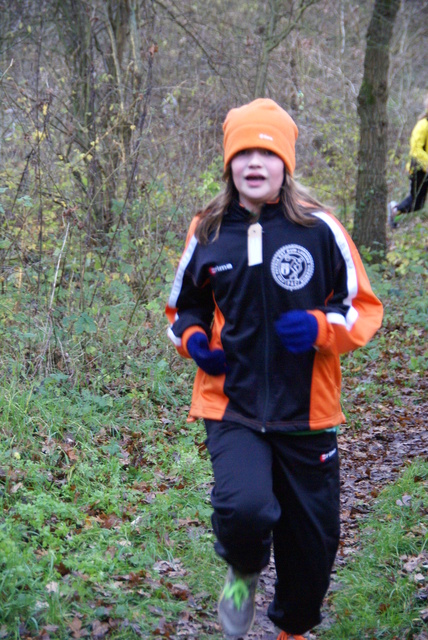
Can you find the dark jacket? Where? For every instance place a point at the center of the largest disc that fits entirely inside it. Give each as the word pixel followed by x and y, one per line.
pixel 315 268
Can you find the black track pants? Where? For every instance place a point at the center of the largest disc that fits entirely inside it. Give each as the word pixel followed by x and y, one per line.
pixel 418 193
pixel 282 486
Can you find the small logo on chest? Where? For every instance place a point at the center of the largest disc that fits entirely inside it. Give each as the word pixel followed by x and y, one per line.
pixel 220 268
pixel 292 267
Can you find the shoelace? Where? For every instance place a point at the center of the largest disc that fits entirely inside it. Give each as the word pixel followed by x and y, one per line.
pixel 237 590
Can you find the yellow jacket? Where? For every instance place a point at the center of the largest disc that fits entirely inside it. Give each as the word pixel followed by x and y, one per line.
pixel 419 143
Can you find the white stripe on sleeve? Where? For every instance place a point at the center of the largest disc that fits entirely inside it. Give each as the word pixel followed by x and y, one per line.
pixel 178 280
pixel 171 335
pixel 351 274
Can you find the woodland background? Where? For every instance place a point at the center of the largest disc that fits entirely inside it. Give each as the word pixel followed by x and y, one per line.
pixel 111 118
pixel 110 140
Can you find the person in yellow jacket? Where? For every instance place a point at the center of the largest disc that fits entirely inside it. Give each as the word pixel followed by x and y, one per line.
pixel 418 171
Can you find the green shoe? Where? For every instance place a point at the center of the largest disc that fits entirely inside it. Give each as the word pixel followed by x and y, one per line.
pixel 236 607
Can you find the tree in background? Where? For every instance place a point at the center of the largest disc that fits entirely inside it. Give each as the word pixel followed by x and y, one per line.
pixel 371 193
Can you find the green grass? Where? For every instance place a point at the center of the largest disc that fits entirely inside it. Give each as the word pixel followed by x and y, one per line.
pixel 90 515
pixel 383 590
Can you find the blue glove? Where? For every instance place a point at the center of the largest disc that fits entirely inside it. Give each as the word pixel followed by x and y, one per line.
pixel 212 362
pixel 297 330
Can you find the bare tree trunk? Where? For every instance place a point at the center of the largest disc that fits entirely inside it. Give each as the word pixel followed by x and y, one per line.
pixel 371 195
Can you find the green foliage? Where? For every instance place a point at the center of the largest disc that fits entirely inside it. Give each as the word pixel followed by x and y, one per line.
pixel 97 501
pixel 208 184
pixel 380 592
pixel 100 483
pixel 405 255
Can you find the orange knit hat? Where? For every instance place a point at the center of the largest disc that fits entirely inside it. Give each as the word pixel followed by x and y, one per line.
pixel 261 124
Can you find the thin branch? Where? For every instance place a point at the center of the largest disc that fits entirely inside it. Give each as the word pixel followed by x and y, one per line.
pixel 277 39
pixel 9 67
pixel 191 35
pixel 115 58
pixel 58 265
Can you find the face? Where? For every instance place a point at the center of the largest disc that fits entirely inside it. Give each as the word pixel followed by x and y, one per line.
pixel 258 175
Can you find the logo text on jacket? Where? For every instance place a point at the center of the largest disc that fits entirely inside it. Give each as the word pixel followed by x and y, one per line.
pixel 292 267
pixel 219 268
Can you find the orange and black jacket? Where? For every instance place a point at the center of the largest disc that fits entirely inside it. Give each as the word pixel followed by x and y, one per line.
pixel 315 268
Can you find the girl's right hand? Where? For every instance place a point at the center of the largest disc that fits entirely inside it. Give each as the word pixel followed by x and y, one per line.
pixel 213 361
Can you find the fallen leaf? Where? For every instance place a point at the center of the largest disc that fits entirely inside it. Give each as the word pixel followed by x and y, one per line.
pixel 405 501
pixel 180 591
pixel 76 628
pixel 62 569
pixel 52 587
pixel 100 629
pixel 164 629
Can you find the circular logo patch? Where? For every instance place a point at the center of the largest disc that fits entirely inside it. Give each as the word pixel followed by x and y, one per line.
pixel 292 267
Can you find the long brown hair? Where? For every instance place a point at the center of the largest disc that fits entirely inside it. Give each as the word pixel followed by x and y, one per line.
pixel 297 206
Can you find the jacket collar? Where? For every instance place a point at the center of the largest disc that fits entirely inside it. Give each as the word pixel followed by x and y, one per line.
pixel 237 212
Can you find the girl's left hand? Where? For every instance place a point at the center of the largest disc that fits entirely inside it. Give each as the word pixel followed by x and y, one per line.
pixel 297 330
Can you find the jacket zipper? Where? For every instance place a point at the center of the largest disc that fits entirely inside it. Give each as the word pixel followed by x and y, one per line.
pixel 266 351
